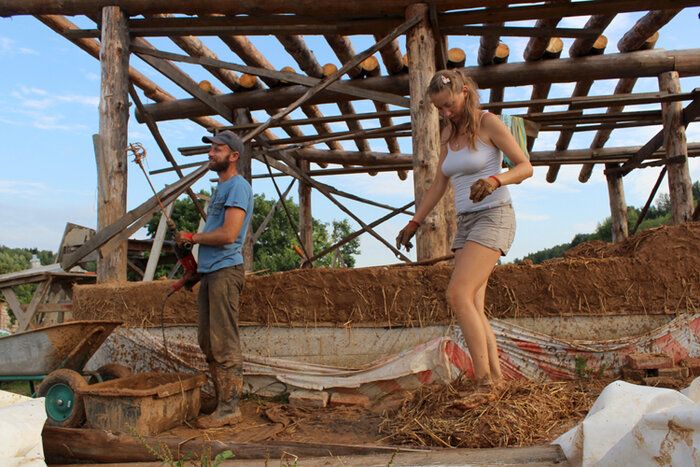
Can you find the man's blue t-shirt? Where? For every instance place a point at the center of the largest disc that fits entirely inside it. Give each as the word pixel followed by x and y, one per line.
pixel 234 192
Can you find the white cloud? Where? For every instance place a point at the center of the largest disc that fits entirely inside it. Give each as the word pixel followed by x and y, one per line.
pixel 13 187
pixel 8 47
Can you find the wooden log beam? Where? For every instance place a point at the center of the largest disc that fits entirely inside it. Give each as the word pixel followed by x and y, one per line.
pixel 111 154
pixel 227 7
pixel 391 56
pixel 347 109
pixel 581 48
pixel 456 58
pixel 297 48
pixel 344 50
pixel 608 66
pixel 642 36
pixel 541 90
pixel 536 46
pixel 432 237
pixel 487 47
pixel 496 94
pixel 680 186
pixel 62 25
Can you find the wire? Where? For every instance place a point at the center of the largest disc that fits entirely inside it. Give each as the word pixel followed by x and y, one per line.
pixel 162 321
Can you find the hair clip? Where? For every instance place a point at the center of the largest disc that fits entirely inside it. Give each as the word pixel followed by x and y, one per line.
pixel 444 79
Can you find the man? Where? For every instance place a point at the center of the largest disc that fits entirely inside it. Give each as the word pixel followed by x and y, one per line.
pixel 221 266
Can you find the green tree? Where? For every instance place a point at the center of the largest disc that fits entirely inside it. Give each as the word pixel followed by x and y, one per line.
pixel 274 249
pixel 657 215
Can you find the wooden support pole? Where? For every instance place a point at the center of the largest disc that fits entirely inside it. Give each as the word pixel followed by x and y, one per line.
pixel 679 184
pixel 618 207
pixel 306 230
pixel 113 139
pixel 432 239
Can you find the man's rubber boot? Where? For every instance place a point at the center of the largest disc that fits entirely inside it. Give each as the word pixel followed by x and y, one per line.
pixel 229 385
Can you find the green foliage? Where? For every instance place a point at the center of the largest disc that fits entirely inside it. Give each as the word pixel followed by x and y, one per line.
pixel 657 215
pixel 162 452
pixel 274 249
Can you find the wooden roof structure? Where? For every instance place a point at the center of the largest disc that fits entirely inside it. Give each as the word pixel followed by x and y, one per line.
pixel 248 82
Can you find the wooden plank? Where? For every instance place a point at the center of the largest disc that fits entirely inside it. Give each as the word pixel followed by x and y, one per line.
pixel 288 76
pixel 102 236
pixel 158 239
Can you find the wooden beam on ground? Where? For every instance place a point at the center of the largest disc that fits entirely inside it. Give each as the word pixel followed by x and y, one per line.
pixel 607 66
pixel 113 138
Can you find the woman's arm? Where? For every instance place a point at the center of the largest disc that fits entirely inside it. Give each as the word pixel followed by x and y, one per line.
pixel 498 134
pixel 436 190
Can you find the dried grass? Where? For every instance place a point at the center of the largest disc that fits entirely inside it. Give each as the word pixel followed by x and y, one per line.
pixel 523 413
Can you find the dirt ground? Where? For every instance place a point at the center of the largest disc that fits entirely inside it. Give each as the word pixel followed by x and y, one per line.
pixel 522 413
pixel 654 272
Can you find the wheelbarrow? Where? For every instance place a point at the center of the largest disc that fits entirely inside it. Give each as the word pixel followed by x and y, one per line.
pixel 56 356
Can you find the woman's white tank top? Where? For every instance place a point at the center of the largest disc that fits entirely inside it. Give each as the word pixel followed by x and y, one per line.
pixel 466 166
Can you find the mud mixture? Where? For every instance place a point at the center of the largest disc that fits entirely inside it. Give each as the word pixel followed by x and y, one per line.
pixel 654 272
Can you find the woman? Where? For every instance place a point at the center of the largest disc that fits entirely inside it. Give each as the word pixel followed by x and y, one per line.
pixel 471 154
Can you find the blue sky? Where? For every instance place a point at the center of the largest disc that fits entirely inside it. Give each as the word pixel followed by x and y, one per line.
pixel 49 92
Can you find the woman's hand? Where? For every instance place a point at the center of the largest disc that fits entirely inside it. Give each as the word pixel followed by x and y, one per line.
pixel 482 188
pixel 404 237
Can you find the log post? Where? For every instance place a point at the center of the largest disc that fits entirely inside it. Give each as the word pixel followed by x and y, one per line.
pixel 305 220
pixel 432 239
pixel 618 207
pixel 113 137
pixel 242 117
pixel 679 183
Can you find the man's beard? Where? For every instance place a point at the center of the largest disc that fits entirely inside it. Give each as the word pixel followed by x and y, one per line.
pixel 220 166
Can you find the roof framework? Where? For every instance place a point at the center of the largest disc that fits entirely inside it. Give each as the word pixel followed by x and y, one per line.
pixel 382 76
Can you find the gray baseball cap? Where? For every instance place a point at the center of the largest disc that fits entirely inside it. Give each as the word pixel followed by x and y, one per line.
pixel 228 138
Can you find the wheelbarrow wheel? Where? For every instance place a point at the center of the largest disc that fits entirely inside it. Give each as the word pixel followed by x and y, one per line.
pixel 110 372
pixel 64 404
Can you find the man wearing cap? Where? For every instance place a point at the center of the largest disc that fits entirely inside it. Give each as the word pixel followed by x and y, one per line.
pixel 221 266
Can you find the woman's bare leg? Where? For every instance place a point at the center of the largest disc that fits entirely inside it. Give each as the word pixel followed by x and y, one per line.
pixel 494 362
pixel 473 265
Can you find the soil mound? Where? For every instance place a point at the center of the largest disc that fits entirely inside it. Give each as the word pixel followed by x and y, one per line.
pixel 654 272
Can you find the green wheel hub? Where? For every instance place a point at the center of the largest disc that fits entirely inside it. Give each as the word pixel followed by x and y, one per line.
pixel 60 400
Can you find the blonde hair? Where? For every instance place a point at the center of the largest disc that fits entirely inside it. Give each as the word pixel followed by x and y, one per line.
pixel 454 81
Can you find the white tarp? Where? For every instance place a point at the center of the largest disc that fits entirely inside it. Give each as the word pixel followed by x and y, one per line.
pixel 637 425
pixel 21 421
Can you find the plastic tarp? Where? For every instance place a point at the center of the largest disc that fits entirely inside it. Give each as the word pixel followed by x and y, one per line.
pixel 523 353
pixel 637 425
pixel 21 422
